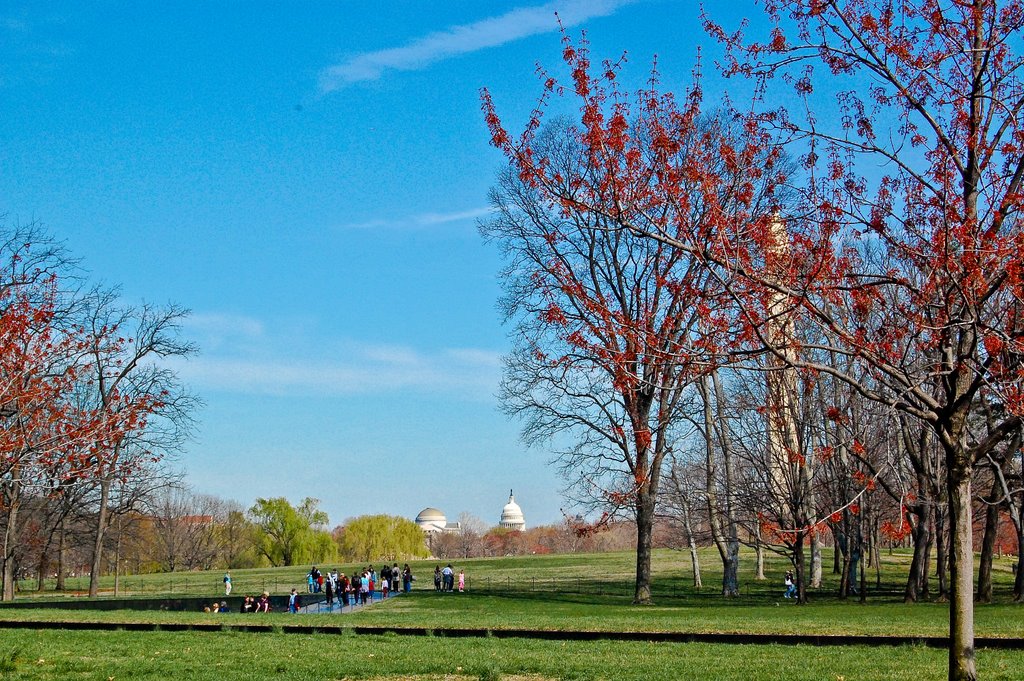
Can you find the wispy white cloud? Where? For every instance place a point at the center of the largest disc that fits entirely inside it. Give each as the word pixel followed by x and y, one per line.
pixel 224 324
pixel 263 359
pixel 427 219
pixel 491 32
pixel 422 373
pixel 215 332
pixel 441 218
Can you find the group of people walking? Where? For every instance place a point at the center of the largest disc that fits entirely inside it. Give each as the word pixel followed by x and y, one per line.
pixel 360 587
pixel 444 579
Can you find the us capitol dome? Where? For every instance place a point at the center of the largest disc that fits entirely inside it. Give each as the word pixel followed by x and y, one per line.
pixel 512 515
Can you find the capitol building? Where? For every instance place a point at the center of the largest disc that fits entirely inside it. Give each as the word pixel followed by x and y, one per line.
pixel 512 515
pixel 433 521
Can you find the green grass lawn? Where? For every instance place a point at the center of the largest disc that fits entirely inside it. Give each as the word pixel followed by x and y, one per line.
pixel 602 573
pixel 537 610
pixel 69 655
pixel 593 592
pixel 575 592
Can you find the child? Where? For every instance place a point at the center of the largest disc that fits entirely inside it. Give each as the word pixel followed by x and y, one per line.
pixel 293 602
pixel 462 581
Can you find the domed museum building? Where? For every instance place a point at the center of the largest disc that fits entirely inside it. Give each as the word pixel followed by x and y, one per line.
pixel 432 521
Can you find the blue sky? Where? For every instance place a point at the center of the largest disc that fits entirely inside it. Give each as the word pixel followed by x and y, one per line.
pixel 307 180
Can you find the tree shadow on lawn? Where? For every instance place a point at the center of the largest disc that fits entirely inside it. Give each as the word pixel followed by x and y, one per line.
pixel 594 595
pixel 667 593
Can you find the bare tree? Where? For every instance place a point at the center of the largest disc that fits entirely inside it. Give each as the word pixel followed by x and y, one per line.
pixel 131 379
pixel 185 528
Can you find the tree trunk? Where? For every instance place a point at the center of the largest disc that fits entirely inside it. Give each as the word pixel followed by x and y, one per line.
pixel 695 565
pixel 815 561
pixel 919 562
pixel 961 603
pixel 941 554
pixel 44 563
pixel 758 554
pixel 876 553
pixel 863 523
pixel 117 562
pixel 988 545
pixel 731 559
pixel 863 573
pixel 730 570
pixel 644 532
pixel 728 550
pixel 843 546
pixel 926 590
pixel 1018 579
pixel 61 547
pixel 101 526
pixel 10 535
pixel 801 569
pixel 684 506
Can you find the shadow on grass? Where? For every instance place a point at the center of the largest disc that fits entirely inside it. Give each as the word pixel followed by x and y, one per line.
pixel 664 592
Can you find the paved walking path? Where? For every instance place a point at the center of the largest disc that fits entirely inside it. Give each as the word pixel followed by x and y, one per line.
pixel 338 609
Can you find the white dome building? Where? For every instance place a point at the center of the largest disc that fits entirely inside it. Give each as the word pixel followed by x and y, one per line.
pixel 432 520
pixel 512 515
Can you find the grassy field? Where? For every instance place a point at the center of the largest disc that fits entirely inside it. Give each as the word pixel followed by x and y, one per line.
pixel 574 612
pixel 64 655
pixel 601 574
pixel 577 592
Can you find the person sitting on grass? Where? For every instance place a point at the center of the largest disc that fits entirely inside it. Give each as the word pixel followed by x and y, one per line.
pixel 263 604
